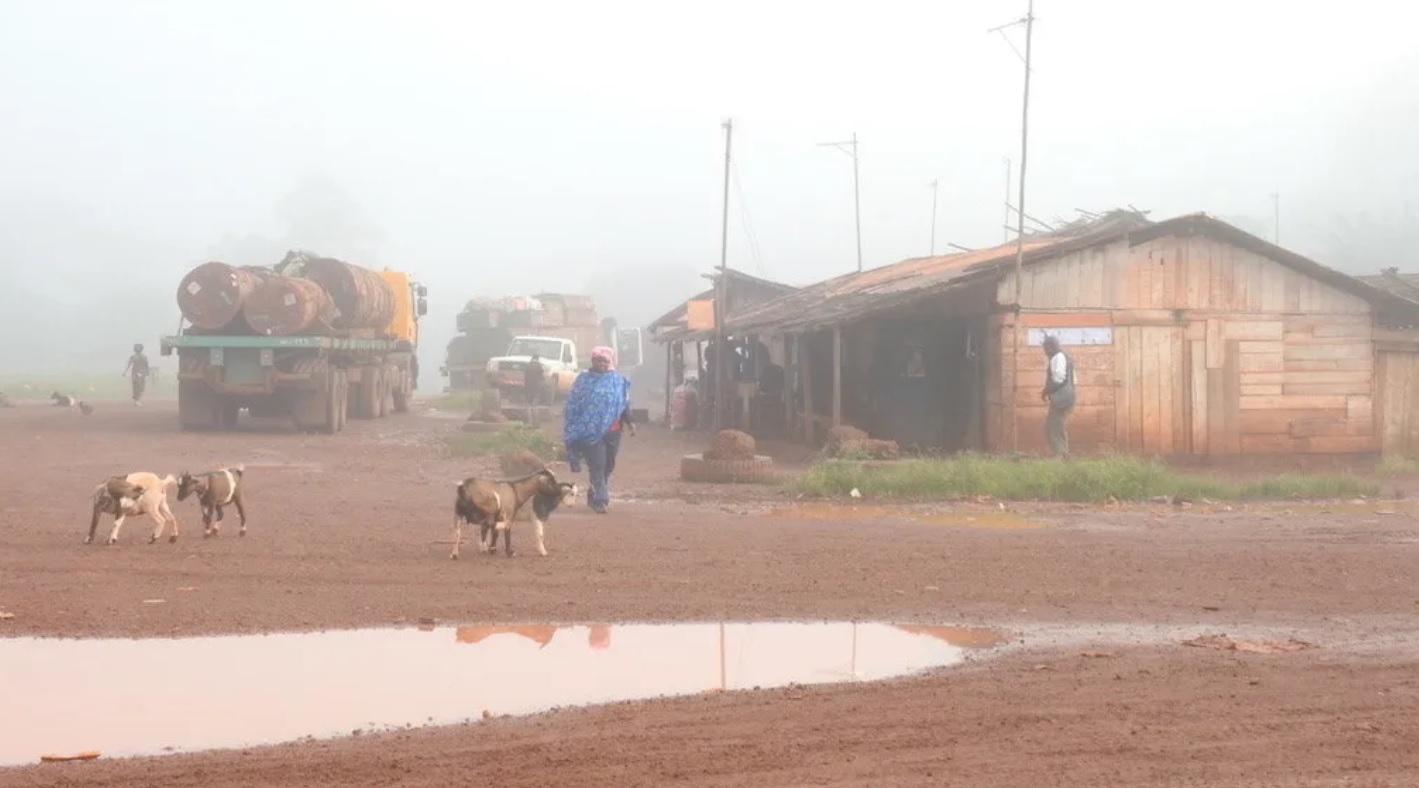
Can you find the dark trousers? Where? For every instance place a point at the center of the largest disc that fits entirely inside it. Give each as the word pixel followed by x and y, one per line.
pixel 600 463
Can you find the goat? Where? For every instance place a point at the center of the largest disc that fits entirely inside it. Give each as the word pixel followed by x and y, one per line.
pixel 214 490
pixel 492 504
pixel 133 494
pixel 68 401
pixel 543 504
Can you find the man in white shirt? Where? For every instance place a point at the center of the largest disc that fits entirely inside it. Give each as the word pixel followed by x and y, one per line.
pixel 1059 394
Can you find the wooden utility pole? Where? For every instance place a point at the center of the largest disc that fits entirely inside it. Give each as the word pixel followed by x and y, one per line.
pixel 1005 225
pixel 721 297
pixel 1029 23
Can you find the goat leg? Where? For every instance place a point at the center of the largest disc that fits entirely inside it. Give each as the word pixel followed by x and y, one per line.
pixel 117 524
pixel 167 514
pixel 241 512
pixel 93 524
pixel 507 538
pixel 457 535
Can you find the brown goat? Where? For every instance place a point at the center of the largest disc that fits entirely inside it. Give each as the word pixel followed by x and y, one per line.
pixel 125 496
pixel 214 491
pixel 492 504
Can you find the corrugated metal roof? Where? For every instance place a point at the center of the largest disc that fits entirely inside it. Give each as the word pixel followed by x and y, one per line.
pixel 1390 280
pixel 750 291
pixel 854 296
pixel 847 297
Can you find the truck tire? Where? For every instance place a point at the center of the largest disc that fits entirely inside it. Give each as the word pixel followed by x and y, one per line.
pixel 399 398
pixel 334 401
pixel 695 468
pixel 367 403
pixel 342 393
pixel 385 380
pixel 196 406
pixel 230 412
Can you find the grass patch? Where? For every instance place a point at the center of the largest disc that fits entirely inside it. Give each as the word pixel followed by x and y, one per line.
pixel 469 400
pixel 1083 480
pixel 1398 467
pixel 514 437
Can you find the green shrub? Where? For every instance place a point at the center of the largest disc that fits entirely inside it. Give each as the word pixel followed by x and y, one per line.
pixel 1122 477
pixel 466 400
pixel 513 437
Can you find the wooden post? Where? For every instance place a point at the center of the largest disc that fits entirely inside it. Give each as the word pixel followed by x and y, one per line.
pixel 790 367
pixel 669 377
pixel 807 359
pixel 837 377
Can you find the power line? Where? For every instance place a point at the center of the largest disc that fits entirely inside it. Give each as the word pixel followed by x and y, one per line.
pixel 850 148
pixel 753 238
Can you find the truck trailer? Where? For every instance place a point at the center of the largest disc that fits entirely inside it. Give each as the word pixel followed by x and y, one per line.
pixel 313 340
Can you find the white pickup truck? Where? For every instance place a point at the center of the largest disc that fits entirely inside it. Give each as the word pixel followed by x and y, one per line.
pixel 560 366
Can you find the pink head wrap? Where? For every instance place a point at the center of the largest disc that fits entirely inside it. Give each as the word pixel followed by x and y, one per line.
pixel 604 353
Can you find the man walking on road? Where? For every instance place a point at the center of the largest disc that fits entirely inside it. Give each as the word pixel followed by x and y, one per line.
pixel 1059 393
pixel 138 369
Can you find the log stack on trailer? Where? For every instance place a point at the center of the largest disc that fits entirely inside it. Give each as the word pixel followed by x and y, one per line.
pixel 312 339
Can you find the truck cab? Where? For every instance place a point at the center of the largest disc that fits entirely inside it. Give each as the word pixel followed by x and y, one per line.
pixel 559 361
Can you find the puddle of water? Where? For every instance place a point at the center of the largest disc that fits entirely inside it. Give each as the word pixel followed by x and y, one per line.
pixel 148 697
pixel 981 519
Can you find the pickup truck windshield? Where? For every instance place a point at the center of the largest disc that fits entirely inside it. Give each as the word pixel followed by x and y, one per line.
pixel 545 348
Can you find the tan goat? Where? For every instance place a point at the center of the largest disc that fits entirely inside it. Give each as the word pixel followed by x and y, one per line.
pixel 126 496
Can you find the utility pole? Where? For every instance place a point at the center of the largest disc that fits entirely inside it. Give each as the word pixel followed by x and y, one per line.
pixel 1029 23
pixel 1005 225
pixel 850 148
pixel 935 184
pixel 721 297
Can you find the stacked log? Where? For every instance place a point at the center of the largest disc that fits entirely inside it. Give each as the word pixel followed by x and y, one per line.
pixel 287 305
pixel 363 300
pixel 212 295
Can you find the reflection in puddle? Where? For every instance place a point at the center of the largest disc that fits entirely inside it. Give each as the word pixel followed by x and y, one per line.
pixel 978 519
pixel 136 697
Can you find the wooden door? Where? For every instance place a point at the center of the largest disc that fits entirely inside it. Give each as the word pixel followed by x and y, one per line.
pixel 1151 379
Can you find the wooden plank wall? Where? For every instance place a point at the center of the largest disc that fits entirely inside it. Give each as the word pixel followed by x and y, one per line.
pixel 1091 428
pixel 1216 351
pixel 1397 400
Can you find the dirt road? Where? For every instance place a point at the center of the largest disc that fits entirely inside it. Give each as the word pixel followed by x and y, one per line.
pixel 345 532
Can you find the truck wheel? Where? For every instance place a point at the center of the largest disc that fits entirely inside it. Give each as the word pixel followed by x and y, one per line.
pixel 367 404
pixel 230 412
pixel 342 391
pixel 382 406
pixel 401 397
pixel 331 392
pixel 196 406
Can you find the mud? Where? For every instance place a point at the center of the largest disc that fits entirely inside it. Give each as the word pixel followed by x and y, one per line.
pixel 344 536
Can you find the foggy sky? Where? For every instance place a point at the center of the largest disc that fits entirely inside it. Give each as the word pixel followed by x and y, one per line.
pixel 506 148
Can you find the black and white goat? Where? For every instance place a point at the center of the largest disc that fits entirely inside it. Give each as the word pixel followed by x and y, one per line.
pixel 493 504
pixel 214 491
pixel 69 401
pixel 134 494
pixel 539 511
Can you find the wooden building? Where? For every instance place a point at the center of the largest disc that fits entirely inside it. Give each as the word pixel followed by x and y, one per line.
pixel 685 339
pixel 1397 371
pixel 1189 337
